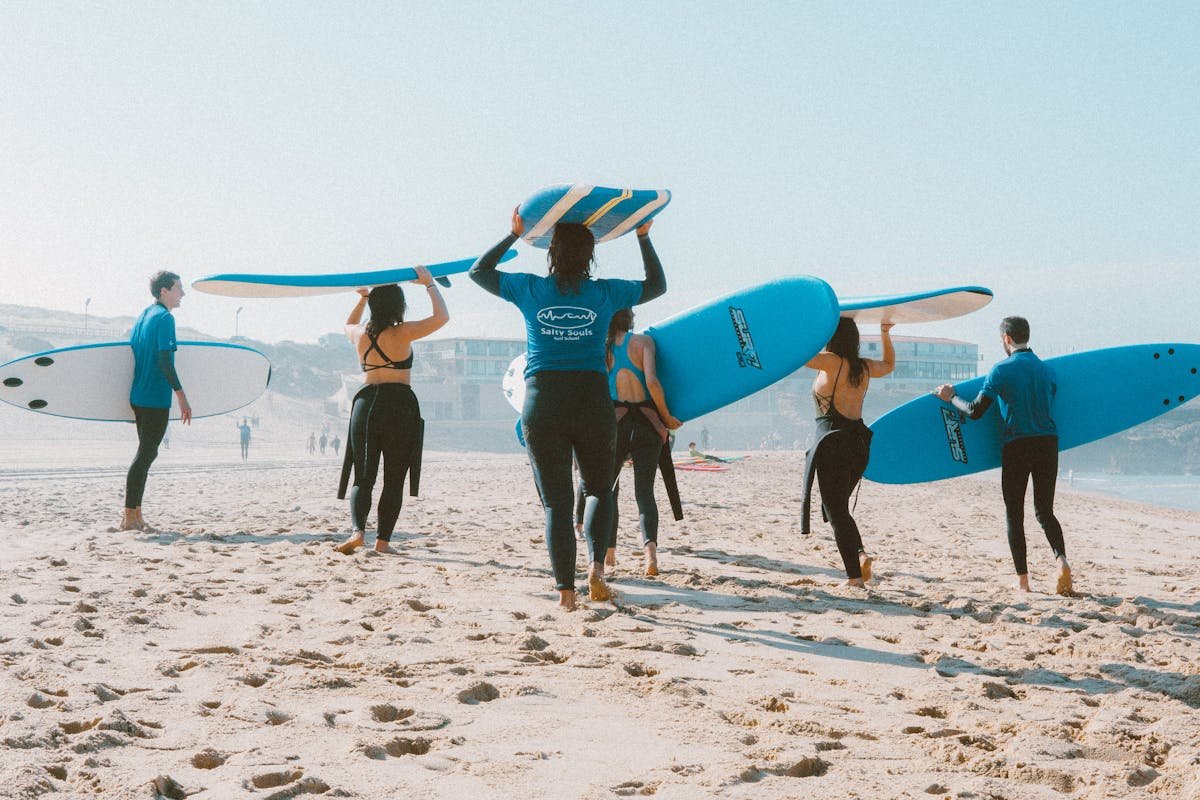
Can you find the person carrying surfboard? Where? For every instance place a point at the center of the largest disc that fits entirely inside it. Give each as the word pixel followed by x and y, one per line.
pixel 1023 387
pixel 643 419
pixel 154 379
pixel 567 404
pixel 843 447
pixel 385 418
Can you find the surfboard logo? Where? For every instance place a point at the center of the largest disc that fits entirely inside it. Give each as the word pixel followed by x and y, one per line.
pixel 952 420
pixel 566 318
pixel 748 356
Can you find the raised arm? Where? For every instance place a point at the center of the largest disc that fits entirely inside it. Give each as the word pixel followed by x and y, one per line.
pixel 655 284
pixel 655 386
pixel 484 271
pixel 884 367
pixel 423 327
pixel 355 318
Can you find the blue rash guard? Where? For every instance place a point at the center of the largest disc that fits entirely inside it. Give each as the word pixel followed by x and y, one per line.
pixel 153 343
pixel 1024 387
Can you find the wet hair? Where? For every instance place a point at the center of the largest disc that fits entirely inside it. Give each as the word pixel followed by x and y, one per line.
pixel 571 255
pixel 622 321
pixel 1016 328
pixel 161 280
pixel 387 308
pixel 844 343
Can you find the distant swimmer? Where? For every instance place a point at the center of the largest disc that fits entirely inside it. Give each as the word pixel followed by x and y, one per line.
pixel 1024 387
pixel 154 379
pixel 643 419
pixel 385 418
pixel 244 437
pixel 567 404
pixel 843 446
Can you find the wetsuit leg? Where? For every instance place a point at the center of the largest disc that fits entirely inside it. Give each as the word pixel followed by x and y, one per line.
pixel 151 426
pixel 1044 467
pixel 367 452
pixel 1015 469
pixel 395 424
pixel 594 432
pixel 839 466
pixel 544 424
pixel 646 449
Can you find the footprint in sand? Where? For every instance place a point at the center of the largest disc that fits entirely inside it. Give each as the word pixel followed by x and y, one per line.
pixel 478 693
pixel 273 780
pixel 208 759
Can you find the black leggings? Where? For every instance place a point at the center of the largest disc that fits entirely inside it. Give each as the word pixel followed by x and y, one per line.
pixel 564 412
pixel 840 462
pixel 383 424
pixel 151 427
pixel 1035 456
pixel 637 437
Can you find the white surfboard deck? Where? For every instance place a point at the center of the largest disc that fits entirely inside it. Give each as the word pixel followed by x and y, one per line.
pixel 92 381
pixel 915 307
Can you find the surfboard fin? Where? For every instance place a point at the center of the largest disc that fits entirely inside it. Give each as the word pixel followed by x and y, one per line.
pixel 443 280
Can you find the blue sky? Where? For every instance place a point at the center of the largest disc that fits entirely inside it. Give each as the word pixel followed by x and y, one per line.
pixel 1048 151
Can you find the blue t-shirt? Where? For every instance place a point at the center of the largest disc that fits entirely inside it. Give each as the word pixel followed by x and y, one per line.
pixel 566 331
pixel 153 332
pixel 1024 388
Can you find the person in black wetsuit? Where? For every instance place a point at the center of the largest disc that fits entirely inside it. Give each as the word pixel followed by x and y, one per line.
pixel 643 419
pixel 839 457
pixel 1024 388
pixel 385 418
pixel 154 379
pixel 567 406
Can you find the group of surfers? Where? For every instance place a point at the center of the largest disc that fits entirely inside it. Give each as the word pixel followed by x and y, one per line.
pixel 593 398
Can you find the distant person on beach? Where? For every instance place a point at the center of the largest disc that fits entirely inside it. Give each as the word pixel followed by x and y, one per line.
pixel 567 405
pixel 312 443
pixel 336 444
pixel 385 418
pixel 154 378
pixel 324 440
pixel 839 457
pixel 694 453
pixel 244 436
pixel 643 419
pixel 1023 386
pixel 705 441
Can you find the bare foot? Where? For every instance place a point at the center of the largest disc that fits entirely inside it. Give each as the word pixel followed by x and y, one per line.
pixel 857 583
pixel 610 558
pixel 1023 583
pixel 597 588
pixel 384 547
pixel 129 523
pixel 1064 586
pixel 350 545
pixel 579 531
pixel 865 562
pixel 651 559
pixel 567 600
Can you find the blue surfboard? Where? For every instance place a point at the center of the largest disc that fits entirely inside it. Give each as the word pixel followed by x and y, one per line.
pixel 608 213
pixel 1100 392
pixel 729 348
pixel 241 284
pixel 914 307
pixel 92 381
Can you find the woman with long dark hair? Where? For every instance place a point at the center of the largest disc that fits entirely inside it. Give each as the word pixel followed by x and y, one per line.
pixel 567 405
pixel 385 418
pixel 839 457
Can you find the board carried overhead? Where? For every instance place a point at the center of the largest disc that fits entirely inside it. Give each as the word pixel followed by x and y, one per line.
pixel 244 284
pixel 607 212
pixel 915 306
pixel 729 348
pixel 92 381
pixel 927 439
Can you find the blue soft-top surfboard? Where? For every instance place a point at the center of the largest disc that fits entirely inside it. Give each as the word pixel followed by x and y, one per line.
pixel 913 307
pixel 608 213
pixel 729 348
pixel 92 381
pixel 238 284
pixel 1100 392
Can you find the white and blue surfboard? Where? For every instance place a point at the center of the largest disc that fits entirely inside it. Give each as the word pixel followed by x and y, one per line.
pixel 1100 392
pixel 92 381
pixel 244 284
pixel 729 348
pixel 915 307
pixel 609 213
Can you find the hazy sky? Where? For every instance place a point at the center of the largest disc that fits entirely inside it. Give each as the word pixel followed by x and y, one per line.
pixel 1049 151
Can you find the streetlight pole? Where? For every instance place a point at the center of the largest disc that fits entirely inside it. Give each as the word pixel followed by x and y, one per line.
pixel 86 303
pixel 236 314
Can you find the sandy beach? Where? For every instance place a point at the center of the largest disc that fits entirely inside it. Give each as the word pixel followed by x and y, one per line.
pixel 234 654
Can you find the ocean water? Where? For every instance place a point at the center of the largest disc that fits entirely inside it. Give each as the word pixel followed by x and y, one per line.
pixel 1172 491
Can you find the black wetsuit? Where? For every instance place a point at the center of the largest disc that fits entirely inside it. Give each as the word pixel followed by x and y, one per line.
pixel 838 461
pixel 385 424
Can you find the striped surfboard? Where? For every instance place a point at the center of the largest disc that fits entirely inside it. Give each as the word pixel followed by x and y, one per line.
pixel 609 213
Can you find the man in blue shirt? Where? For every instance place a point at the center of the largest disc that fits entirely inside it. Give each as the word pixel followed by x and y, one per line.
pixel 154 379
pixel 1024 388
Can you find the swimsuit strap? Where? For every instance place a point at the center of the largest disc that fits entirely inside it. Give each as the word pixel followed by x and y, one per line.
pixel 389 363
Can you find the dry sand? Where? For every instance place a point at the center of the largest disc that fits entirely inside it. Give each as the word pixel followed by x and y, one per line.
pixel 235 655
